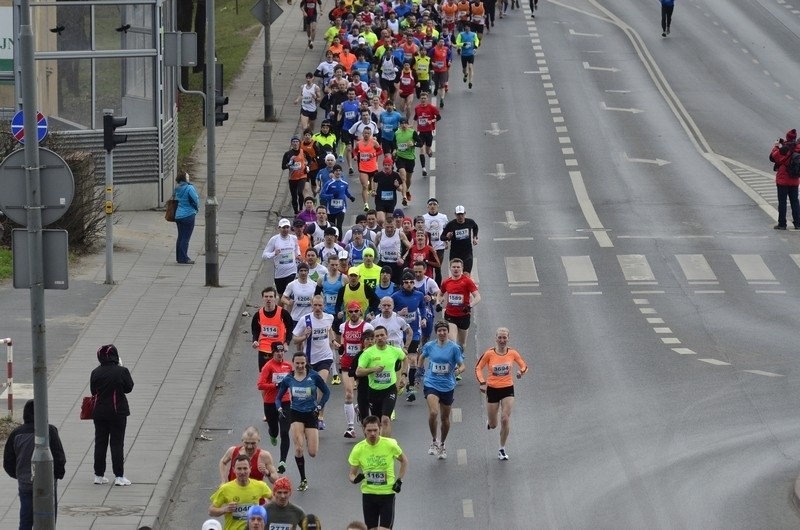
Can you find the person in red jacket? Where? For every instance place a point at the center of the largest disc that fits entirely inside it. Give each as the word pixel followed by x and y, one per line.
pixel 271 376
pixel 782 152
pixel 426 116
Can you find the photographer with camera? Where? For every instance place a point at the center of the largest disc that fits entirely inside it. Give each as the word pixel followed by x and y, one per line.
pixel 786 156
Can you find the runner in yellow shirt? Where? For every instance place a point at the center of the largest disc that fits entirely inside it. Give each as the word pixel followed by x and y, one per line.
pixel 233 499
pixel 372 466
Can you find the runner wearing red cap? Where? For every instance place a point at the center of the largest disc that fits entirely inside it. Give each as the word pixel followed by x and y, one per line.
pixel 351 344
pixel 280 512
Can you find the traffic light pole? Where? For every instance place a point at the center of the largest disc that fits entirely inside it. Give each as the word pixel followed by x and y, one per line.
pixel 212 244
pixel 44 516
pixel 109 218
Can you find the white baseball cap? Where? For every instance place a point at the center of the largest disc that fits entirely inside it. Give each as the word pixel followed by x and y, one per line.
pixel 284 222
pixel 460 209
pixel 343 254
pixel 330 157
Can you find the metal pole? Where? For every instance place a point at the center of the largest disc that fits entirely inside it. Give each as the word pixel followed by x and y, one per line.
pixel 109 215
pixel 42 459
pixel 212 255
pixel 269 107
pixel 10 375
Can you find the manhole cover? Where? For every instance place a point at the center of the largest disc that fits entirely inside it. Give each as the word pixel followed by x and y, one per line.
pixel 99 511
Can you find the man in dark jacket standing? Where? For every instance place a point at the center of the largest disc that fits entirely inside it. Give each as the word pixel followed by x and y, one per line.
pixel 17 463
pixel 109 383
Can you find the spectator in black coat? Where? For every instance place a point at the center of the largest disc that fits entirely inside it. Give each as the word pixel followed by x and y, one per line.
pixel 109 383
pixel 17 463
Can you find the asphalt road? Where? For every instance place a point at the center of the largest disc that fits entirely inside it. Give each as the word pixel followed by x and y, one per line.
pixel 637 272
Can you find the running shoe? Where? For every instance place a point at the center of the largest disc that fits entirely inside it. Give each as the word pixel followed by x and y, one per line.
pixel 470 86
pixel 366 207
pixel 303 485
pixel 351 171
pixel 100 480
pixel 281 467
pixel 341 159
pixel 441 103
pixel 310 45
pixel 393 416
pixel 408 196
pixel 273 440
pixel 424 172
pixel 404 201
pixel 122 481
pixel 663 33
pixel 336 380
pixel 458 377
pixel 411 397
pixel 350 433
pixel 441 454
pixel 465 78
pixel 501 454
pixel 321 425
pixel 433 449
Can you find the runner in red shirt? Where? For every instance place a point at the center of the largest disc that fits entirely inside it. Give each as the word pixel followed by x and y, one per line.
pixel 406 83
pixel 422 251
pixel 310 12
pixel 352 344
pixel 460 294
pixel 426 116
pixel 271 376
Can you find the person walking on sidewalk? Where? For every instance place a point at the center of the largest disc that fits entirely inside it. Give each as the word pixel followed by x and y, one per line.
pixel 667 6
pixel 17 463
pixel 188 205
pixel 109 383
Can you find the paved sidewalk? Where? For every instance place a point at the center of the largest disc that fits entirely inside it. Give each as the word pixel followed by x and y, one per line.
pixel 171 331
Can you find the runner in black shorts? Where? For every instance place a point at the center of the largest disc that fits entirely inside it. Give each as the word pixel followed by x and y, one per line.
pixel 362 385
pixel 460 322
pixel 384 186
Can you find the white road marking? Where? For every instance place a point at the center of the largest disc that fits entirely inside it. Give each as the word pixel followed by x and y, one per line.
pixel 561 129
pixel 467 509
pixel 513 239
pixel 655 320
pixel 709 291
pixel 586 292
pixel 474 275
pixel 566 238
pixel 579 269
pixel 500 172
pixel 431 186
pixel 684 351
pixel 753 268
pixel 635 268
pixel 670 340
pixel 762 372
pixel 571 162
pixel 654 161
pixel 558 119
pixel 461 457
pixel 769 292
pixel 662 330
pixel 715 362
pixel 567 151
pixel 511 223
pixel 455 415
pixel 575 33
pixel 21 391
pixel 618 91
pixel 647 292
pixel 525 294
pixel 495 130
pixel 432 165
pixel 564 140
pixel 521 269
pixel 641 301
pixel 587 66
pixel 588 210
pixel 647 311
pixel 619 109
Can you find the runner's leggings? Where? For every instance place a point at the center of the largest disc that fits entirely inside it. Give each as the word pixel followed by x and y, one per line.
pixel 666 17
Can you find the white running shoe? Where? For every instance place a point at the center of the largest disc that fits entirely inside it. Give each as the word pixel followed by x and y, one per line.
pixel 100 480
pixel 442 453
pixel 433 449
pixel 501 454
pixel 122 481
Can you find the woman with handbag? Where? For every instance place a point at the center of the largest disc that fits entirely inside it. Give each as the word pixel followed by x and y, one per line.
pixel 188 204
pixel 109 383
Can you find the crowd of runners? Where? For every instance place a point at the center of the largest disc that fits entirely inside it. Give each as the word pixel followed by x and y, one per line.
pixel 379 303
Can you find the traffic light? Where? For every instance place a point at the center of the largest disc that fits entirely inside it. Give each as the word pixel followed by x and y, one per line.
pixel 110 138
pixel 219 107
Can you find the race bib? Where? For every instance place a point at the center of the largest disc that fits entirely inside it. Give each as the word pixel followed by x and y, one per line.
pixel 330 298
pixel 337 203
pixel 406 81
pixel 467 45
pixel 455 299
pixel 462 233
pixel 319 334
pixel 270 332
pixel 304 301
pixel 376 478
pixel 295 166
pixel 390 254
pixel 440 368
pixel 352 349
pixel 286 257
pixel 350 114
pixel 387 195
pixel 277 378
pixel 240 512
pixel 307 100
pixel 438 64
pixel 501 369
pixel 364 156
pixel 383 377
pixel 423 121
pixel 411 317
pixel 478 19
pixel 301 392
pixel 280 526
pixel 403 146
pixel 387 127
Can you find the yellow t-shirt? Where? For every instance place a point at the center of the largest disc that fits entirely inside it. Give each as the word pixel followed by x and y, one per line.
pixel 377 464
pixel 244 496
pixel 370 276
pixel 387 357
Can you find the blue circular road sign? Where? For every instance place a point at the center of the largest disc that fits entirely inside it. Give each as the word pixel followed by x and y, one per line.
pixel 18 127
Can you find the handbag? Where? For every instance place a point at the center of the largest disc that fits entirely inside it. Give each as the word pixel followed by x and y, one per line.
pixel 172 207
pixel 87 407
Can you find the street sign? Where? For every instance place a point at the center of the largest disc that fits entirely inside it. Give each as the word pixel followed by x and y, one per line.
pixel 274 12
pixel 57 187
pixel 55 259
pixel 18 127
